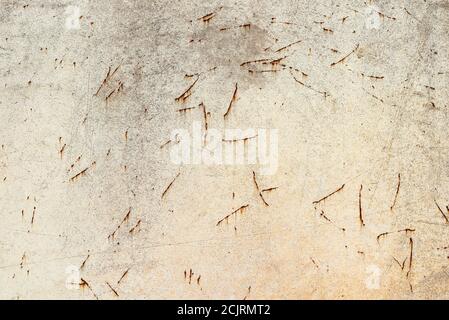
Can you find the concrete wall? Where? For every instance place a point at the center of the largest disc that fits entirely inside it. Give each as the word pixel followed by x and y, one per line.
pixel 94 97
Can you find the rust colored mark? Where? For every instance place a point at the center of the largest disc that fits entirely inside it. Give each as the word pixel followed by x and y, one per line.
pixel 241 139
pixel 84 262
pixel 328 30
pixel 61 151
pixel 344 19
pixel 401 265
pixel 105 80
pixel 329 195
pixel 22 260
pixel 32 217
pixel 191 75
pixel 197 74
pixel 123 276
pixel 112 289
pixel 410 261
pixel 184 110
pixel 411 15
pixel 273 21
pixel 169 186
pixel 84 283
pixel 164 144
pixel 187 93
pixel 125 219
pixel 275 61
pixel 240 210
pixel 233 99
pixel 245 26
pixel 170 141
pixel 323 215
pixel 117 90
pixel 345 57
pixel 375 97
pixel 269 189
pixel 383 15
pixel 324 93
pixel 262 71
pixel 372 77
pixel 206 18
pixel 288 46
pixel 360 207
pixel 135 227
pixel 314 263
pixel 258 190
pixel 115 70
pixel 206 125
pixel 191 273
pixel 254 61
pixel 272 62
pixel 83 172
pixel 248 293
pixel 441 211
pixel 397 192
pixel 406 230
pixel 198 280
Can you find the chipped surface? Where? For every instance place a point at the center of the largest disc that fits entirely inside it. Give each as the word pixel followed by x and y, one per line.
pixel 93 207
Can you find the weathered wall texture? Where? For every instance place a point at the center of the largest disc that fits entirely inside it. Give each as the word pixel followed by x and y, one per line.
pixel 93 205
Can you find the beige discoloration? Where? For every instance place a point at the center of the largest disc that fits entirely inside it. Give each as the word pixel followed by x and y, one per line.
pixel 357 208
